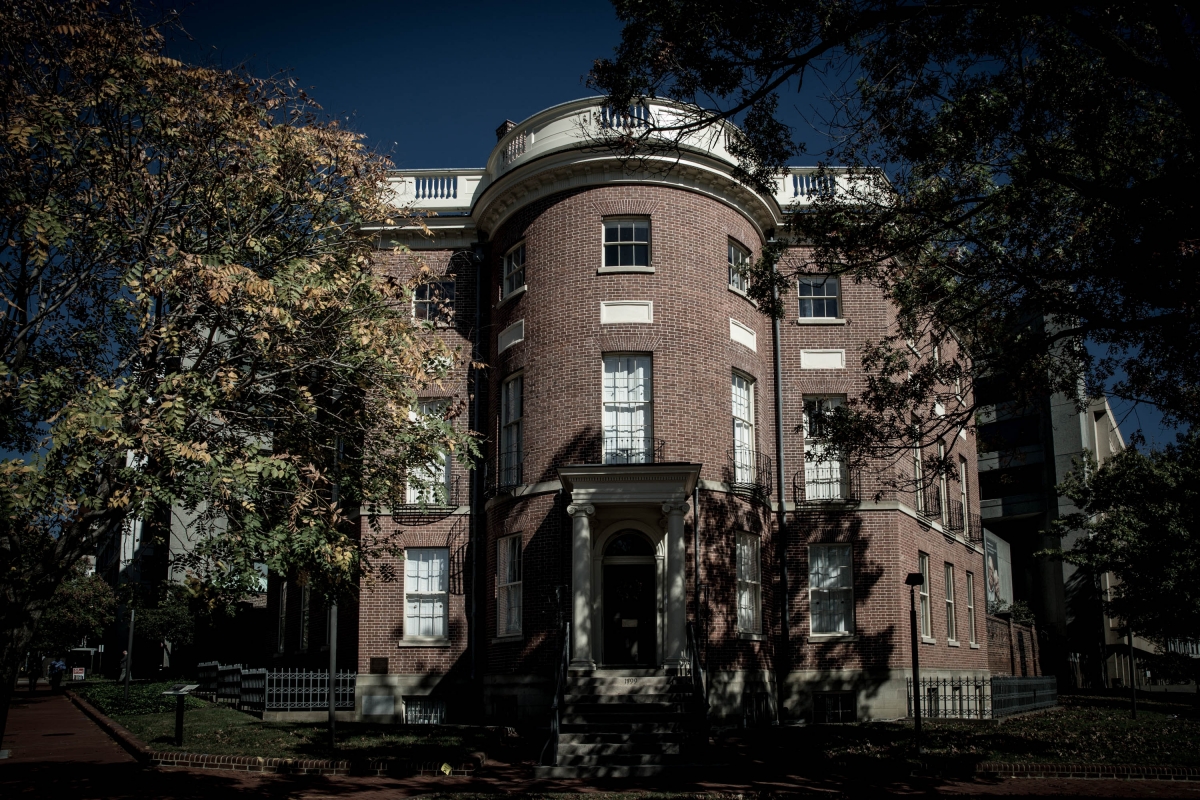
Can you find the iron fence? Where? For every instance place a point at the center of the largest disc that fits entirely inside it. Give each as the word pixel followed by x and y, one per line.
pixel 1013 695
pixel 982 698
pixel 207 673
pixel 229 684
pixel 622 447
pixel 253 691
pixel 819 483
pixel 306 690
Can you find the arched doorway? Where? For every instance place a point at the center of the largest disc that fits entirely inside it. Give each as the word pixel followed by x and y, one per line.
pixel 630 613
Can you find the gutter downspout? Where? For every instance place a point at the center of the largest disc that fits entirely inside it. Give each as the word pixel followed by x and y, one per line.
pixel 784 659
pixel 477 257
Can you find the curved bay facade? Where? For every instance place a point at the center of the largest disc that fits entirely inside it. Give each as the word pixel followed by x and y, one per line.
pixel 631 479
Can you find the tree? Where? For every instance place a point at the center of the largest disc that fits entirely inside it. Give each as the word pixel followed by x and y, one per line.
pixel 192 318
pixel 1139 514
pixel 1018 175
pixel 82 607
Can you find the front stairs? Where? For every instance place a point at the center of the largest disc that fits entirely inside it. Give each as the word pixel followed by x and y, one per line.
pixel 626 723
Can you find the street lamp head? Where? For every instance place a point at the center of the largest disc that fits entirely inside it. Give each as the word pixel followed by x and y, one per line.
pixel 914 579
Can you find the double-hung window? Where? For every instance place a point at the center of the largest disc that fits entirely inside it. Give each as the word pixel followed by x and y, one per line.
pixel 971 608
pixel 831 588
pixel 281 631
pixel 818 297
pixel 918 471
pixel 951 627
pixel 628 413
pixel 426 592
pixel 626 243
pixel 429 484
pixel 743 429
pixel 434 301
pixel 943 483
pixel 749 584
pixel 511 446
pixel 739 260
pixel 508 586
pixel 962 498
pixel 824 473
pixel 514 270
pixel 926 612
pixel 305 602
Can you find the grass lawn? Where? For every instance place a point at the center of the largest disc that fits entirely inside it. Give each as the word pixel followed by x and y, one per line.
pixel 1081 730
pixel 220 730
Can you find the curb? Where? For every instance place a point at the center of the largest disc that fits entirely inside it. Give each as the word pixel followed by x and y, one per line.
pixel 290 766
pixel 996 769
pixel 123 736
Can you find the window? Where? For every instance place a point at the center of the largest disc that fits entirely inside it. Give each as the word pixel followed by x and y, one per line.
pixel 511 402
pixel 628 416
pixel 926 619
pixel 739 260
pixel 430 484
pixel 962 499
pixel 971 609
pixel 514 270
pixel 749 588
pixel 831 588
pixel 281 632
pixel 951 628
pixel 818 297
pixel 424 710
pixel 834 707
pixel 305 599
pixel 743 429
pixel 943 482
pixel 434 301
pixel 426 581
pixel 824 474
pixel 918 471
pixel 508 586
pixel 627 243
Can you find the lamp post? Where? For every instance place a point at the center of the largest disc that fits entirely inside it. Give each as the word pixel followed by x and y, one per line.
pixel 914 580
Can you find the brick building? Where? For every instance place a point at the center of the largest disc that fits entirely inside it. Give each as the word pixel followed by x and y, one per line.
pixel 632 476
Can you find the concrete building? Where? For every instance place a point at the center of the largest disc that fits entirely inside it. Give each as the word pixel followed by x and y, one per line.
pixel 632 477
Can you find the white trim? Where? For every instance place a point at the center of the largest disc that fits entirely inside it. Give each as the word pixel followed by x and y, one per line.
pixel 822 359
pixel 618 270
pixel 626 312
pixel 743 334
pixel 511 335
pixel 515 293
pixel 820 321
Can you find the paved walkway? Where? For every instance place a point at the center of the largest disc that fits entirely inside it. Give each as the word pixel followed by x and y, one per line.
pixel 60 752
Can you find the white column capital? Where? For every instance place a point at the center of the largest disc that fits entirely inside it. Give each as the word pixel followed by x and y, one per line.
pixel 675 507
pixel 581 509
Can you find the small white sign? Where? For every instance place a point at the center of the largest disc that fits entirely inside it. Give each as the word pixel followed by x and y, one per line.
pixel 637 312
pixel 822 359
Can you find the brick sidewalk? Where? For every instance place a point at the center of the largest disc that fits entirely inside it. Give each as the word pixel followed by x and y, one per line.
pixel 45 727
pixel 60 752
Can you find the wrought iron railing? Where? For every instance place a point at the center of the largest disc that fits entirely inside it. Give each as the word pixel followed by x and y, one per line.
pixel 750 473
pixel 982 698
pixel 306 690
pixel 502 479
pixel 207 672
pixel 820 485
pixel 696 668
pixel 626 449
pixel 928 503
pixel 549 757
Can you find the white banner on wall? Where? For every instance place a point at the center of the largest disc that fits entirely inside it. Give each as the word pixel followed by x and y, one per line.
pixel 998 559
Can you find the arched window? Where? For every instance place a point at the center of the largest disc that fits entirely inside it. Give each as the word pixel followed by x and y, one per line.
pixel 629 543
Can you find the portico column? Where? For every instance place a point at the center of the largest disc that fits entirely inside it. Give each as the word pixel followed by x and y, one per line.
pixel 581 589
pixel 675 651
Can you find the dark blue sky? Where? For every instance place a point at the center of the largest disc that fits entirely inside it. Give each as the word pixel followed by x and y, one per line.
pixel 429 82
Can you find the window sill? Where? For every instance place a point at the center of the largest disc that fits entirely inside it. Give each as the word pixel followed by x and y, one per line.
pixel 974 645
pixel 427 641
pixel 743 295
pixel 820 321
pixel 513 295
pixel 952 643
pixel 817 638
pixel 508 637
pixel 618 270
pixel 928 640
pixel 752 637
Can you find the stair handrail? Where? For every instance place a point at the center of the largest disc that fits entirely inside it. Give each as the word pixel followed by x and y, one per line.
pixel 549 757
pixel 697 668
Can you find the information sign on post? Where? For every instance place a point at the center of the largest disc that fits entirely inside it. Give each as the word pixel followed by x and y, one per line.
pixel 180 691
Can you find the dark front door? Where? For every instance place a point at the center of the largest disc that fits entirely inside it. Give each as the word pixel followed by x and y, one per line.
pixel 630 621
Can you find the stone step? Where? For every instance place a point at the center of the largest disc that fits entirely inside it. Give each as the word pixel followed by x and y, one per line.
pixel 606 714
pixel 648 709
pixel 630 759
pixel 572 725
pixel 661 683
pixel 637 739
pixel 625 748
pixel 618 672
pixel 623 771
pixel 667 693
